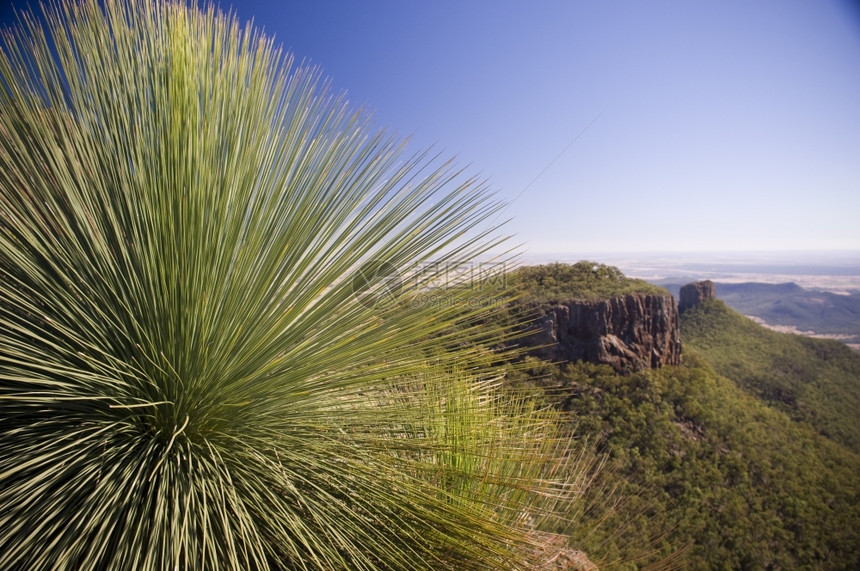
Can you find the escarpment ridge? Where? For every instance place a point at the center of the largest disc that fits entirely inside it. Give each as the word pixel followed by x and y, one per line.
pixel 591 312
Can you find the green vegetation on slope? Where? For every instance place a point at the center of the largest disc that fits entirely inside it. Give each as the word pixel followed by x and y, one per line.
pixel 584 280
pixel 702 475
pixel 814 381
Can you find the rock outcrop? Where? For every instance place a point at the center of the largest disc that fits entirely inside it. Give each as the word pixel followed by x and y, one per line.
pixel 696 293
pixel 553 553
pixel 628 332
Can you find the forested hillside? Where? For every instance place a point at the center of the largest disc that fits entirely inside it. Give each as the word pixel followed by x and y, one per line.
pixel 702 473
pixel 582 281
pixel 744 457
pixel 814 381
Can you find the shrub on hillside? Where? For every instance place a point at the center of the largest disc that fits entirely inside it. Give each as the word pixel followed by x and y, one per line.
pixel 201 365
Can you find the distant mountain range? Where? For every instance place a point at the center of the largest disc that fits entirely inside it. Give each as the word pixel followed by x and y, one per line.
pixel 791 308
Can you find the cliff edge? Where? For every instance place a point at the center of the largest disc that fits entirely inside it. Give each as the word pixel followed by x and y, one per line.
pixel 628 332
pixel 592 312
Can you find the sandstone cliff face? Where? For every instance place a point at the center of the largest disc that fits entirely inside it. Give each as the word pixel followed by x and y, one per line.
pixel 628 332
pixel 695 293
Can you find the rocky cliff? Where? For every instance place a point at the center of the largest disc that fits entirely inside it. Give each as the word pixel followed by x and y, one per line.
pixel 696 293
pixel 627 332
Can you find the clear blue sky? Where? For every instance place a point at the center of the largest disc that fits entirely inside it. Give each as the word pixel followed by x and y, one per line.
pixel 729 125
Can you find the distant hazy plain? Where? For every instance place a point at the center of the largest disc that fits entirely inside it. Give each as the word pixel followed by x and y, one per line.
pixel 835 271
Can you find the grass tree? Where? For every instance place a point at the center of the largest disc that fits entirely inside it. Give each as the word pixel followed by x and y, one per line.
pixel 217 347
